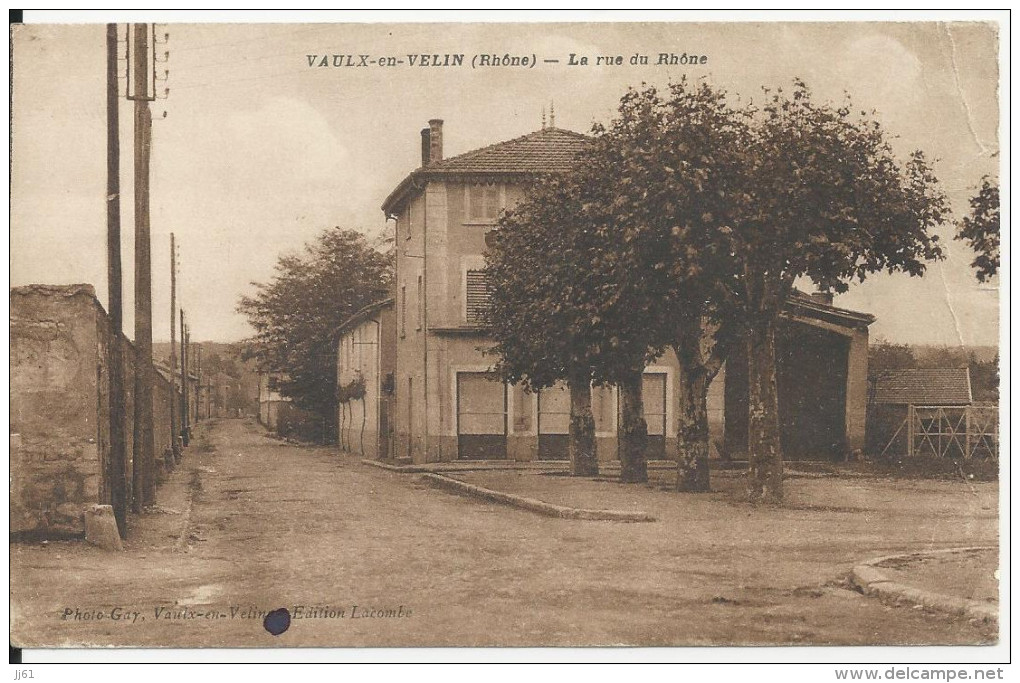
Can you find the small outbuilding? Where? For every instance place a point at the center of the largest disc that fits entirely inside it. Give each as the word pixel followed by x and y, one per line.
pixel 914 411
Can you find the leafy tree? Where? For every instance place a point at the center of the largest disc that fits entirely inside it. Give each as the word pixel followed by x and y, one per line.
pixel 984 378
pixel 558 311
pixel 824 198
pixel 295 314
pixel 980 229
pixel 671 162
pixel 884 356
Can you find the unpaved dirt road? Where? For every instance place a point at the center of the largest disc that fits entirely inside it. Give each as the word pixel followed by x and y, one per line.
pixel 250 524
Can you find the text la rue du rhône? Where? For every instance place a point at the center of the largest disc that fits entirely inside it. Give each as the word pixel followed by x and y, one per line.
pixel 495 60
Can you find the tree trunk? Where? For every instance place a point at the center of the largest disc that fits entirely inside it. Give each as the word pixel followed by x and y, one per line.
pixel 583 462
pixel 692 436
pixel 633 432
pixel 765 457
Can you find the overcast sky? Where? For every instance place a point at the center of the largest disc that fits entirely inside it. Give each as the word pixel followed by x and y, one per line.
pixel 259 152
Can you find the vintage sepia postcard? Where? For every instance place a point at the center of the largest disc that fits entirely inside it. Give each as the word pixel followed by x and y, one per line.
pixel 516 333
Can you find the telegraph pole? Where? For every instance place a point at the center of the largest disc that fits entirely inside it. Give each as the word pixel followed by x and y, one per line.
pixel 198 387
pixel 144 443
pixel 187 381
pixel 173 347
pixel 184 387
pixel 117 473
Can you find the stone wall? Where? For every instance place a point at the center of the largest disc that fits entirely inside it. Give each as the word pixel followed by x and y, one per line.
pixel 60 408
pixel 55 427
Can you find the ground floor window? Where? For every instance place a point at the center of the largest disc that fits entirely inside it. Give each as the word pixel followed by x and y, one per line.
pixel 481 416
pixel 553 422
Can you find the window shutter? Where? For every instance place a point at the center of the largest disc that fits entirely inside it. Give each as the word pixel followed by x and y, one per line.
pixel 403 310
pixel 421 303
pixel 477 295
pixel 491 202
pixel 477 202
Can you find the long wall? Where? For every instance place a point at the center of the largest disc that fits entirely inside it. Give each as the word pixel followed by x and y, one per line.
pixel 60 408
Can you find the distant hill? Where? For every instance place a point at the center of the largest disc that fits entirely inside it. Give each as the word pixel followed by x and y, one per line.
pixel 983 354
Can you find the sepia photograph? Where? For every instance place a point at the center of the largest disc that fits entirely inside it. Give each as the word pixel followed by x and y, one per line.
pixel 508 333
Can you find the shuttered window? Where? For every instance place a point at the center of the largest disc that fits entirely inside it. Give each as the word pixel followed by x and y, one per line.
pixel 477 295
pixel 421 303
pixel 483 203
pixel 403 310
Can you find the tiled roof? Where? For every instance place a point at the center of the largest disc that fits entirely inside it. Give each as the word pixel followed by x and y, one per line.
pixel 924 386
pixel 550 150
pixel 804 306
pixel 363 314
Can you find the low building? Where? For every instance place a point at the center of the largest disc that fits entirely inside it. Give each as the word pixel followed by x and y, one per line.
pixel 821 381
pixel 896 428
pixel 270 400
pixel 365 381
pixel 277 412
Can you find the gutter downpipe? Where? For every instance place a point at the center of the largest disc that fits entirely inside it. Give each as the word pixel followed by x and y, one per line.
pixel 423 304
pixel 378 389
pixel 425 307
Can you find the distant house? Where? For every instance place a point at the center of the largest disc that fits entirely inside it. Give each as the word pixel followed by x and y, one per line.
pixel 449 405
pixel 278 414
pixel 894 392
pixel 364 369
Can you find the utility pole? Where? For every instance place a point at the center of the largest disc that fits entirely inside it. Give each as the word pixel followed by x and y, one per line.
pixel 187 381
pixel 144 441
pixel 198 388
pixel 117 464
pixel 184 387
pixel 173 348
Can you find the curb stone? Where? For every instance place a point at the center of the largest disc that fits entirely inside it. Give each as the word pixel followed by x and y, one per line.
pixel 550 466
pixel 392 468
pixel 533 505
pixel 872 581
pixel 469 466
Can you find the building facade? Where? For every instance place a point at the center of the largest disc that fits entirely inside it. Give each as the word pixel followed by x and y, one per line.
pixel 365 381
pixel 447 403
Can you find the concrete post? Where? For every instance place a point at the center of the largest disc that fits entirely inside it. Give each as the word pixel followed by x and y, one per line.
pixel 857 390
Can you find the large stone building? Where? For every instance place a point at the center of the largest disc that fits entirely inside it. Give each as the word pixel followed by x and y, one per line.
pixel 447 404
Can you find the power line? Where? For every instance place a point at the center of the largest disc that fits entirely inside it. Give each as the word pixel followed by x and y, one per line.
pixel 262 39
pixel 209 84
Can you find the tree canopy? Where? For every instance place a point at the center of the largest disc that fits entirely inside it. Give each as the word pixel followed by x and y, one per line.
pixel 826 199
pixel 296 313
pixel 563 307
pixel 685 225
pixel 670 161
pixel 980 229
pixel 557 302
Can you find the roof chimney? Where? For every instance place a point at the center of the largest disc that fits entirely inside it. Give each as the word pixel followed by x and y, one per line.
pixel 435 140
pixel 822 297
pixel 425 146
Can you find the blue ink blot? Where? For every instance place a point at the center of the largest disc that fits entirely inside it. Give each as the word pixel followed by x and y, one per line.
pixel 277 621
